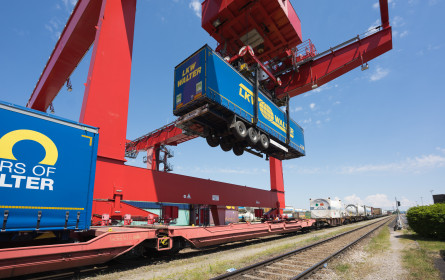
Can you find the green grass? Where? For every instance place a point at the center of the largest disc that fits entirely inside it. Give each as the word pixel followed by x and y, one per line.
pixel 343 267
pixel 419 257
pixel 380 242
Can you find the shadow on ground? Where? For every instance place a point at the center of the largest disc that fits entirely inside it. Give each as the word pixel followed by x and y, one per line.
pixel 439 262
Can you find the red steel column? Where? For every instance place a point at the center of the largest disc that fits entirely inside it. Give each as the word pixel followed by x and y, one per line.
pixel 105 102
pixel 277 182
pixel 384 13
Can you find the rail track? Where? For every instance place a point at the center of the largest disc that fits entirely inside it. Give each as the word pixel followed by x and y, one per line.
pixel 300 263
pixel 123 265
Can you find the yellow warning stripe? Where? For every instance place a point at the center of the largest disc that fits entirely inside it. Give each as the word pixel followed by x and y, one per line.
pixel 41 207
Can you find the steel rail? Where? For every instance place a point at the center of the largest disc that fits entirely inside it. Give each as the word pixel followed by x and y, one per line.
pixel 243 270
pixel 322 262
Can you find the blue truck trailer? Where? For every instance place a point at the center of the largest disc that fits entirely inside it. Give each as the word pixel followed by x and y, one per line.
pixel 215 101
pixel 47 168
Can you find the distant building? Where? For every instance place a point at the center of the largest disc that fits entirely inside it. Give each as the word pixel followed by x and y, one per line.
pixel 439 198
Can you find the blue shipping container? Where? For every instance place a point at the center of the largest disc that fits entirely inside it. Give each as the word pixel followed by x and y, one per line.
pixel 47 168
pixel 205 77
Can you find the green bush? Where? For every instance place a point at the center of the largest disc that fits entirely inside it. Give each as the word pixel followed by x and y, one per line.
pixel 428 221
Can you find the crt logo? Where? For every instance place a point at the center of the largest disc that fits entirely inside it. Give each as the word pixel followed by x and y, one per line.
pixel 18 173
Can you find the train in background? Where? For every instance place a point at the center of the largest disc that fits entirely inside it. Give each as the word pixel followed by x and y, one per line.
pixel 256 214
pixel 333 212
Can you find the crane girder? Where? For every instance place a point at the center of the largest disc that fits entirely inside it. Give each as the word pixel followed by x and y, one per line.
pixel 325 68
pixel 75 40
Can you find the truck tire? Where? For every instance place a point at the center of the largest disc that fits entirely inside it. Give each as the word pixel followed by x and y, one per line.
pixel 238 150
pixel 213 140
pixel 252 136
pixel 263 142
pixel 239 130
pixel 226 145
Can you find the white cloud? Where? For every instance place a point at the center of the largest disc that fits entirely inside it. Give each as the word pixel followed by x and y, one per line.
pixel 404 33
pixel 298 109
pixel 20 32
pixel 196 7
pixel 312 106
pixel 69 4
pixel 441 149
pixel 433 2
pixel 298 169
pixel 373 27
pixel 412 165
pixel 396 33
pixel 325 87
pixel 306 121
pixel 429 48
pixel 378 200
pixel 398 21
pixel 353 199
pixel 433 48
pixel 318 122
pixel 379 74
pixel 54 27
pixel 390 3
pixel 405 202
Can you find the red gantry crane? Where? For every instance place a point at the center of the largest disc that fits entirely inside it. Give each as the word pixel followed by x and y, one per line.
pixel 269 31
pixel 266 33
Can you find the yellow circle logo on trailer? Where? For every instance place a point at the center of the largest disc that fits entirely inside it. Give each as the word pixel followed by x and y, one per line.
pixel 266 111
pixel 8 141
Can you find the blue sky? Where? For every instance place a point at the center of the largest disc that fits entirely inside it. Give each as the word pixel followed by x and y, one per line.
pixel 370 136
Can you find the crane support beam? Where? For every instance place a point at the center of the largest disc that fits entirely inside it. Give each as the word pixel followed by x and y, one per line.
pixel 105 102
pixel 327 67
pixel 277 183
pixel 74 42
pixel 167 135
pixel 141 184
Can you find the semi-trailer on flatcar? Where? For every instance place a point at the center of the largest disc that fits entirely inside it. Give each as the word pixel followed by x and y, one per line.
pixel 47 167
pixel 217 102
